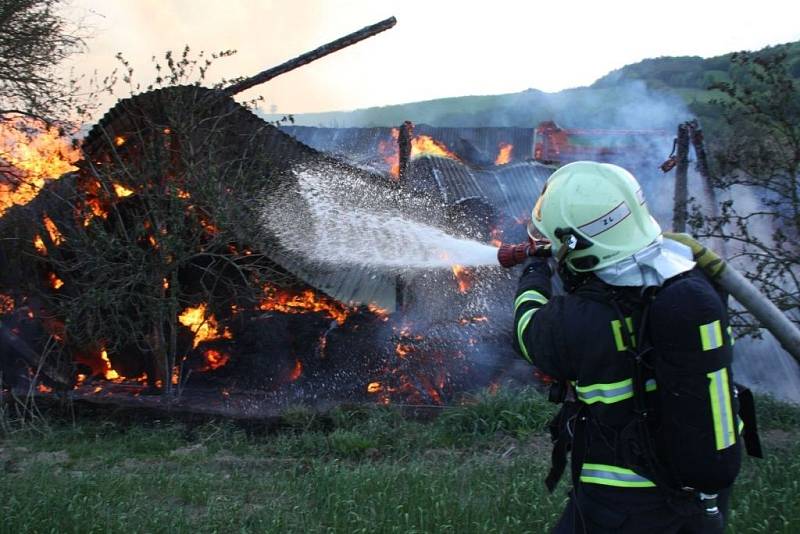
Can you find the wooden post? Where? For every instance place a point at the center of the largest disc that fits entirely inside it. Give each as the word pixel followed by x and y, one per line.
pixel 681 198
pixel 404 147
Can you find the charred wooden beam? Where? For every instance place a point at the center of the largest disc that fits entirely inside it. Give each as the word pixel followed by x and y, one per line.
pixel 404 147
pixel 702 165
pixel 14 345
pixel 681 198
pixel 308 57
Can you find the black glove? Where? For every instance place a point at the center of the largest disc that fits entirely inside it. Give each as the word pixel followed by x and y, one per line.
pixel 538 265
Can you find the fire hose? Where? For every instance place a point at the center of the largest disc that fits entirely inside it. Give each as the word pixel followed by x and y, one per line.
pixel 739 287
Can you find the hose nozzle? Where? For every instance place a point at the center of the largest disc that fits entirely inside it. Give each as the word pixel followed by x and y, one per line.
pixel 511 255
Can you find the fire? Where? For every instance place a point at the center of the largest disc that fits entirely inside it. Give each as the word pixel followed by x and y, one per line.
pixel 215 359
pixel 55 281
pixel 382 313
pixel 296 371
pixel 119 140
pixel 374 387
pixel 7 304
pixel 109 373
pixel 504 155
pixel 464 277
pixel 52 229
pixel 391 153
pixel 36 155
pixel 402 350
pixel 44 389
pixel 122 191
pixel 38 244
pixel 427 145
pixel 287 301
pixel 473 320
pixel 203 325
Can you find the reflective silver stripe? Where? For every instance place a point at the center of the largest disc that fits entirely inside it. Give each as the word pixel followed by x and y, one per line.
pixel 640 196
pixel 610 393
pixel 611 475
pixel 607 221
pixel 529 296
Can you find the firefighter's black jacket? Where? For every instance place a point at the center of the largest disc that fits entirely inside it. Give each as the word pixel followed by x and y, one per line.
pixel 581 339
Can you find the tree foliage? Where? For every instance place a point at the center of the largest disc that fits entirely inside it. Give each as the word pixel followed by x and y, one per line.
pixel 758 166
pixel 35 38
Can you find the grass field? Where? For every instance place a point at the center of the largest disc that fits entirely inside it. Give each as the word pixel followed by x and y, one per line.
pixel 475 468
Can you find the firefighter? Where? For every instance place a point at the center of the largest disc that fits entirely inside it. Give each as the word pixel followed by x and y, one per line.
pixel 640 349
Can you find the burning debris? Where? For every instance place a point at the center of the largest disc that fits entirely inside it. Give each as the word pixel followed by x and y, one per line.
pixel 504 154
pixel 147 276
pixel 31 155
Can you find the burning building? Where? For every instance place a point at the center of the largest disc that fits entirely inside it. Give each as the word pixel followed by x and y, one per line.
pixel 141 269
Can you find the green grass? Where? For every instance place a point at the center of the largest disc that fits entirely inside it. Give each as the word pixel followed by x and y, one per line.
pixel 475 468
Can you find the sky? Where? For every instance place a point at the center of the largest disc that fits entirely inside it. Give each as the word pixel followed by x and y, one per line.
pixel 438 48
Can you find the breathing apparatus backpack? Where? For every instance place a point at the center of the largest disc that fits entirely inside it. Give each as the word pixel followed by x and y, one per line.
pixel 688 441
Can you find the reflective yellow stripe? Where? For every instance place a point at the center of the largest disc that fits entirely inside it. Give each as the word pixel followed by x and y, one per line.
pixel 711 335
pixel 616 327
pixel 721 410
pixel 610 393
pixel 521 326
pixel 525 318
pixel 730 336
pixel 529 296
pixel 611 475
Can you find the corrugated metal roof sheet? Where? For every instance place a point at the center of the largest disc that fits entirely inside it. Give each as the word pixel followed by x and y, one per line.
pixel 511 189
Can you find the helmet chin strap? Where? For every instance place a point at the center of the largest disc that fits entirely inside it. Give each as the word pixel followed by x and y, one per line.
pixel 568 244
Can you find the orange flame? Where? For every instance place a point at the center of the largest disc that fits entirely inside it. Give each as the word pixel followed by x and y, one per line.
pixel 391 152
pixel 52 229
pixel 34 159
pixel 109 373
pixel 374 387
pixel 472 320
pixel 203 325
pixel 38 244
pixel 464 278
pixel 427 145
pixel 307 301
pixel 122 191
pixel 504 155
pixel 55 281
pixel 296 371
pixel 43 389
pixel 7 304
pixel 402 349
pixel 215 359
pixel 382 313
